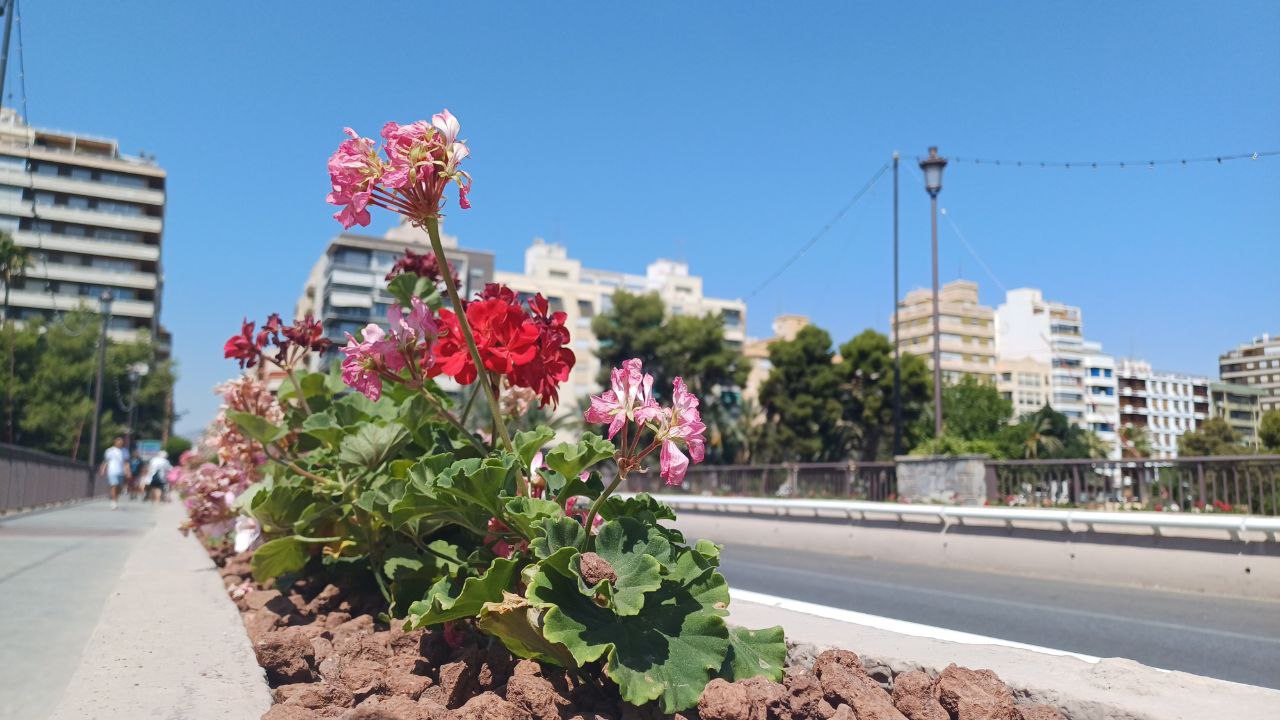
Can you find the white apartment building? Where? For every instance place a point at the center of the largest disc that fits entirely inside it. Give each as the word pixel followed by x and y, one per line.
pixel 93 219
pixel 1082 382
pixel 1257 365
pixel 347 287
pixel 1164 404
pixel 582 293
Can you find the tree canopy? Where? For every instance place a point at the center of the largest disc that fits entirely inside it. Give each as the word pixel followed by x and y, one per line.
pixel 866 373
pixel 1269 431
pixel 1213 437
pixel 974 410
pixel 801 401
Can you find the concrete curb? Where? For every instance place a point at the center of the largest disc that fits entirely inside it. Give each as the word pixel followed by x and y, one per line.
pixel 169 643
pixel 1109 689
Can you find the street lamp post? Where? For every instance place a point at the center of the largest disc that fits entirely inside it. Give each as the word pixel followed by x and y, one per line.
pixel 932 167
pixel 897 360
pixel 106 299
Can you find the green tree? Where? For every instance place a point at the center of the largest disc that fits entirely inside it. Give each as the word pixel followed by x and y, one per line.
pixel 14 261
pixel 1269 431
pixel 1135 441
pixel 687 346
pixel 801 401
pixel 1047 434
pixel 974 410
pixel 866 374
pixel 1214 437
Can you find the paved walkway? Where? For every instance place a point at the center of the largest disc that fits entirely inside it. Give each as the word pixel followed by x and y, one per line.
pixel 113 614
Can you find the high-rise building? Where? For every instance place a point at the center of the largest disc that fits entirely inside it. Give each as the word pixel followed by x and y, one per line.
pixel 966 330
pixel 1164 405
pixel 93 220
pixel 1082 383
pixel 1257 365
pixel 582 293
pixel 1240 406
pixel 347 287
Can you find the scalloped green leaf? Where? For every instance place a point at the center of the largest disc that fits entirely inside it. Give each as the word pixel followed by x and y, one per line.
pixel 323 427
pixel 372 445
pixel 257 427
pixel 438 606
pixel 525 514
pixel 755 652
pixel 529 442
pixel 556 533
pixel 637 554
pixel 641 506
pixel 279 557
pixel 570 459
pixel 667 653
pixel 573 487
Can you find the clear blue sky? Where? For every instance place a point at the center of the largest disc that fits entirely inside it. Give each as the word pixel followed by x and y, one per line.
pixel 724 134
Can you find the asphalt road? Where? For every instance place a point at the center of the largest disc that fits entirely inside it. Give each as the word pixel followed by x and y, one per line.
pixel 56 569
pixel 1224 638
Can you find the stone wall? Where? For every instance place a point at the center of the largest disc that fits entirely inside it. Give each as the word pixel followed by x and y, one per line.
pixel 958 480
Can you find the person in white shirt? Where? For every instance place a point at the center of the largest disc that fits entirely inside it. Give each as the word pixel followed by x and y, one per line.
pixel 157 474
pixel 115 469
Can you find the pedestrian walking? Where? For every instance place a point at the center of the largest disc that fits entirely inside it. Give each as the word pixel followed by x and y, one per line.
pixel 157 476
pixel 115 468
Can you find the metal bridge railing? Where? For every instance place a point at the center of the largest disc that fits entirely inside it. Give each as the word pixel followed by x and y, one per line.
pixel 30 478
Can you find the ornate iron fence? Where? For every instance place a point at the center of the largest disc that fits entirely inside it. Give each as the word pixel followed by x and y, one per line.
pixel 29 478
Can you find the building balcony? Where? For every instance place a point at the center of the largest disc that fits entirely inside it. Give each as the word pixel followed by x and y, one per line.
pixel 132 165
pixel 139 223
pixel 88 188
pixel 87 246
pixel 67 303
pixel 89 275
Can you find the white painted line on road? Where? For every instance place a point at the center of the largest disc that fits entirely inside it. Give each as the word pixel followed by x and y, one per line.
pixel 889 624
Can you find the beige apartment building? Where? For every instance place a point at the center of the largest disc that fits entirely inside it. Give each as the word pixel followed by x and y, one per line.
pixel 582 293
pixel 756 351
pixel 966 328
pixel 1255 364
pixel 1240 406
pixel 92 218
pixel 1024 382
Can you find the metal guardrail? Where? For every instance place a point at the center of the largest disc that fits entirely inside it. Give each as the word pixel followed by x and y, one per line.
pixel 947 515
pixel 30 478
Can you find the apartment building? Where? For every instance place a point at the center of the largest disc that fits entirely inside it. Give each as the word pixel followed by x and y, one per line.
pixel 1255 364
pixel 1165 405
pixel 1082 381
pixel 582 293
pixel 93 219
pixel 967 343
pixel 1241 406
pixel 1024 382
pixel 347 287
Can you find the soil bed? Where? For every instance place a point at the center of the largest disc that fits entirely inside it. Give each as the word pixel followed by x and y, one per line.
pixel 327 656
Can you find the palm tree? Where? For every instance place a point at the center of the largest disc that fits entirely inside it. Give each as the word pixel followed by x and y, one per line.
pixel 1039 439
pixel 1135 442
pixel 14 261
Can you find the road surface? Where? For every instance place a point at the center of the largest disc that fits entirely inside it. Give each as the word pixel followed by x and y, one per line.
pixel 1224 638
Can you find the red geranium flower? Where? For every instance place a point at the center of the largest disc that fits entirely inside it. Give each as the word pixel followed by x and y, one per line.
pixel 553 360
pixel 242 347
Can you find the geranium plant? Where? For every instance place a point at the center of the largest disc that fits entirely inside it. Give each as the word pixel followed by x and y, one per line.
pixel 379 471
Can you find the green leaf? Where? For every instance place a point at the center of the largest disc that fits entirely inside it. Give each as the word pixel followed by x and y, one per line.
pixel 529 442
pixel 525 514
pixel 668 653
pixel 556 533
pixel 516 623
pixel 372 445
pixel 323 427
pixel 570 459
pixel 636 553
pixel 574 486
pixel 279 503
pixel 279 557
pixel 411 573
pixel 257 427
pixel 640 506
pixel 440 607
pixel 755 652
pixel 406 286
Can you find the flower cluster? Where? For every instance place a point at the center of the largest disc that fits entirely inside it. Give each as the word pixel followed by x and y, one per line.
pixel 421 159
pixel 381 355
pixel 527 347
pixel 630 401
pixel 424 266
pixel 246 395
pixel 250 348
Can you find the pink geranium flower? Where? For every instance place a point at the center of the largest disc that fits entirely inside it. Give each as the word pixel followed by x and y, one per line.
pixel 629 399
pixel 680 425
pixel 353 171
pixel 367 358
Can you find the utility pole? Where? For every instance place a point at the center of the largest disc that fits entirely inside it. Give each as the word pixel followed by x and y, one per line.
pixel 106 299
pixel 6 7
pixel 897 360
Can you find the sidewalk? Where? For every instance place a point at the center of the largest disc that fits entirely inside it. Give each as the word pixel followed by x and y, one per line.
pixel 113 614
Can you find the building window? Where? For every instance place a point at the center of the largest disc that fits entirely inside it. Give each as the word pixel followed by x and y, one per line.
pixel 586 309
pixel 732 317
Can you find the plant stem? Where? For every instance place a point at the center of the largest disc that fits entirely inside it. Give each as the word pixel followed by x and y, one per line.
pixel 302 398
pixel 466 409
pixel 595 506
pixel 433 230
